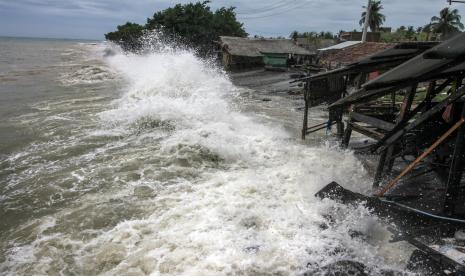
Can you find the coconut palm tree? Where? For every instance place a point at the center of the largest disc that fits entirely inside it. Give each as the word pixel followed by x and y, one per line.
pixel 376 18
pixel 294 35
pixel 447 23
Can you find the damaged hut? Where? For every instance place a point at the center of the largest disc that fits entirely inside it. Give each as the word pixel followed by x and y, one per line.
pixel 413 115
pixel 241 53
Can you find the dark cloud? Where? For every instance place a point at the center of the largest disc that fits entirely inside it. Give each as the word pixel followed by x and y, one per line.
pixel 93 18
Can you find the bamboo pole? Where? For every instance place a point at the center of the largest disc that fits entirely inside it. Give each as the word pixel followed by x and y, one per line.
pixel 421 157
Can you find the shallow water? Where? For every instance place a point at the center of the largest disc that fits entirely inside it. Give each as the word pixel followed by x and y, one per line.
pixel 157 163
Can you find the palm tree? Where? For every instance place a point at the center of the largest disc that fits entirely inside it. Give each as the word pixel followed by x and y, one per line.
pixel 410 32
pixel 294 35
pixel 447 23
pixel 376 18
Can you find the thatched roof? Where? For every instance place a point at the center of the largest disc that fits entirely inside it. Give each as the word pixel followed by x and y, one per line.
pixel 255 47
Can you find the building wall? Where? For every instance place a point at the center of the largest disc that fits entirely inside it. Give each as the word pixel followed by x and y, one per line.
pixel 275 59
pixel 357 36
pixel 233 63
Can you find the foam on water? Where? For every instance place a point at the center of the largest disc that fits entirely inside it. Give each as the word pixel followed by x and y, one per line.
pixel 194 186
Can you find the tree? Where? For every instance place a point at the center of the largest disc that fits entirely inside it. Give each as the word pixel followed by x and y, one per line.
pixel 410 32
pixel 294 35
pixel 127 36
pixel 193 24
pixel 376 18
pixel 447 23
pixel 196 25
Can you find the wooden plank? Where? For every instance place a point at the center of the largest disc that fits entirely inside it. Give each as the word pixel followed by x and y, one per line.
pixel 366 131
pixel 363 95
pixel 372 121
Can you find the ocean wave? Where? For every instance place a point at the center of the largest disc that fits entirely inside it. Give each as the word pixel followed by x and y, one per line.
pixel 87 74
pixel 172 178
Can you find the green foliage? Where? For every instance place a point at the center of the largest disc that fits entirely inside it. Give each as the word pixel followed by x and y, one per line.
pixel 405 34
pixel 127 35
pixel 376 17
pixel 312 35
pixel 447 23
pixel 194 24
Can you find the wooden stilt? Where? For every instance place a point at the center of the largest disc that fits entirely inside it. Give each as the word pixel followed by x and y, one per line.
pixel 451 204
pixel 389 160
pixel 305 122
pixel 386 161
pixel 380 169
pixel 347 133
pixel 340 127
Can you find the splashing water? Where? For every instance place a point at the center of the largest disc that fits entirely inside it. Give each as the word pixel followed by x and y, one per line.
pixel 172 177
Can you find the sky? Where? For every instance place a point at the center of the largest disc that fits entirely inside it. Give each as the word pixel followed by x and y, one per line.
pixel 91 19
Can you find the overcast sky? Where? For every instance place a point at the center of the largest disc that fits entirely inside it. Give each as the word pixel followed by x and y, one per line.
pixel 92 18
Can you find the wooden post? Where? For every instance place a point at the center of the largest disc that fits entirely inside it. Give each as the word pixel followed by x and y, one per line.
pixel 430 93
pixel 404 112
pixel 340 125
pixel 386 160
pixel 305 122
pixel 348 131
pixel 456 167
pixel 455 173
pixel 380 169
pixel 393 101
pixel 407 103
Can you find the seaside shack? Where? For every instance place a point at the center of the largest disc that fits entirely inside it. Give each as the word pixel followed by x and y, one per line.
pixel 418 135
pixel 240 53
pixel 328 87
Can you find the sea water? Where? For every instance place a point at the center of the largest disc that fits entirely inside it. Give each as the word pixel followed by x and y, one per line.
pixel 156 163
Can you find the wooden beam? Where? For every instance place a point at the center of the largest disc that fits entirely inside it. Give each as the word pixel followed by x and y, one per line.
pixel 419 108
pixel 423 118
pixel 407 103
pixel 372 121
pixel 367 131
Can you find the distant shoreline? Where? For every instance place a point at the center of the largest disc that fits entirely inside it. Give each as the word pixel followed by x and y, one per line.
pixel 51 38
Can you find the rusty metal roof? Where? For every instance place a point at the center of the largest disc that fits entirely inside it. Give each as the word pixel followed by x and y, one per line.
pixel 354 52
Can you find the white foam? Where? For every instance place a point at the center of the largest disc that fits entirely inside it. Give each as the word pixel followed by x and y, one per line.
pixel 244 219
pixel 234 193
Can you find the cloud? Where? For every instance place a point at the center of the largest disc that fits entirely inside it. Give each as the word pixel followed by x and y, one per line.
pixel 262 17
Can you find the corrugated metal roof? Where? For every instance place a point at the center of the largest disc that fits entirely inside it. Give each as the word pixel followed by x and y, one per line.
pixel 389 57
pixel 340 45
pixel 354 53
pixel 442 57
pixel 443 61
pixel 254 47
